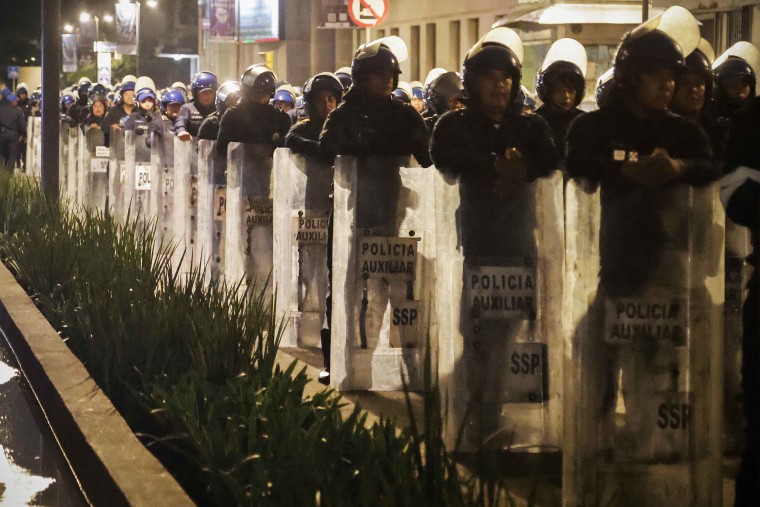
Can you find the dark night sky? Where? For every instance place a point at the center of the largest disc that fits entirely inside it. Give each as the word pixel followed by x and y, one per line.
pixel 20 25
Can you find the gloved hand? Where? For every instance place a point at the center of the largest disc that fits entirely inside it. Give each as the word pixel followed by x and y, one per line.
pixel 511 173
pixel 184 136
pixel 653 170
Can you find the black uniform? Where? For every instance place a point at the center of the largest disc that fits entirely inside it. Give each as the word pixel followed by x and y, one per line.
pixel 632 232
pixel 466 144
pixel 113 117
pixel 363 126
pixel 559 121
pixel 12 127
pixel 160 125
pixel 210 127
pixel 743 207
pixel 190 117
pixel 249 122
pixel 90 119
pixel 303 138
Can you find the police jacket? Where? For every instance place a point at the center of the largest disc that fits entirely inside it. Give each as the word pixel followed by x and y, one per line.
pixel 599 142
pixel 113 117
pixel 362 126
pixel 430 120
pixel 466 143
pixel 303 138
pixel 141 121
pixel 90 119
pixel 159 125
pixel 210 127
pixel 740 187
pixel 190 117
pixel 249 122
pixel 559 121
pixel 12 119
pixel 634 232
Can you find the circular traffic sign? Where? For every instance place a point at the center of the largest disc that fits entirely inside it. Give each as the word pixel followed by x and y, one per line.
pixel 368 13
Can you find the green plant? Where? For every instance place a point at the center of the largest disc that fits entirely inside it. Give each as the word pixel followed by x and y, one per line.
pixel 191 366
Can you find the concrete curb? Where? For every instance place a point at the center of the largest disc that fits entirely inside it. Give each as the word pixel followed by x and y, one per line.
pixel 111 465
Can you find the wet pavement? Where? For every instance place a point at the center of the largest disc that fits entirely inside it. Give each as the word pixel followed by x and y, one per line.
pixel 32 469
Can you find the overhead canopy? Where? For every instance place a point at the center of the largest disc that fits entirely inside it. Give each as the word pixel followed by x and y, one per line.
pixel 567 14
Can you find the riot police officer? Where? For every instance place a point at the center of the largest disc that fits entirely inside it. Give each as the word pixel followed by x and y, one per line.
pixel 226 96
pixel 635 141
pixel 322 94
pixel 124 107
pixel 96 112
pixel 254 119
pixel 12 131
pixel 735 78
pixel 418 96
pixel 344 75
pixel 146 112
pixel 561 86
pixel 740 193
pixel 191 114
pixel 368 121
pixel 284 98
pixel 403 92
pixel 171 101
pixel 693 94
pixel 444 92
pixel 491 142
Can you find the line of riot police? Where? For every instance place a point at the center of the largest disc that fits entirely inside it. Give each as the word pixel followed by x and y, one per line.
pixel 664 123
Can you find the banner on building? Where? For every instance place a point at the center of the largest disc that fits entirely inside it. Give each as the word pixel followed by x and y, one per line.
pixel 258 20
pixel 221 20
pixel 88 33
pixel 69 48
pixel 127 27
pixel 104 68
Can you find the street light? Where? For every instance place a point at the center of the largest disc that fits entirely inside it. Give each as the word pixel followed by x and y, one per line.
pixel 152 4
pixel 84 17
pixel 108 18
pixel 68 28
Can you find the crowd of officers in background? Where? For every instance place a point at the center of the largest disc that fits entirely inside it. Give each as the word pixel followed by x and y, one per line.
pixel 665 113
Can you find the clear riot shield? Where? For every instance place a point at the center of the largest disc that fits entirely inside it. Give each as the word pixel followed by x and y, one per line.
pixel 302 206
pixel 185 202
pixel 72 153
pixel 36 159
pixel 645 288
pixel 499 287
pixel 738 273
pixel 83 169
pixel 30 140
pixel 95 165
pixel 383 251
pixel 162 181
pixel 116 175
pixel 248 241
pixel 212 207
pixel 137 177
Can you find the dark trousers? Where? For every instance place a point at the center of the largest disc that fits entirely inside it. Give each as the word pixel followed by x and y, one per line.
pixel 748 480
pixel 9 148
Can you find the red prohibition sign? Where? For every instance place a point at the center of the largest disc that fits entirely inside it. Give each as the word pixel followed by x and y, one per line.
pixel 377 8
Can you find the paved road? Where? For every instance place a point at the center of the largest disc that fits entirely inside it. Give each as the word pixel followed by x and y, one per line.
pixel 32 470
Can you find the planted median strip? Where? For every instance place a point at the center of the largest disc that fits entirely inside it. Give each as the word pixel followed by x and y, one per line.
pixel 193 368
